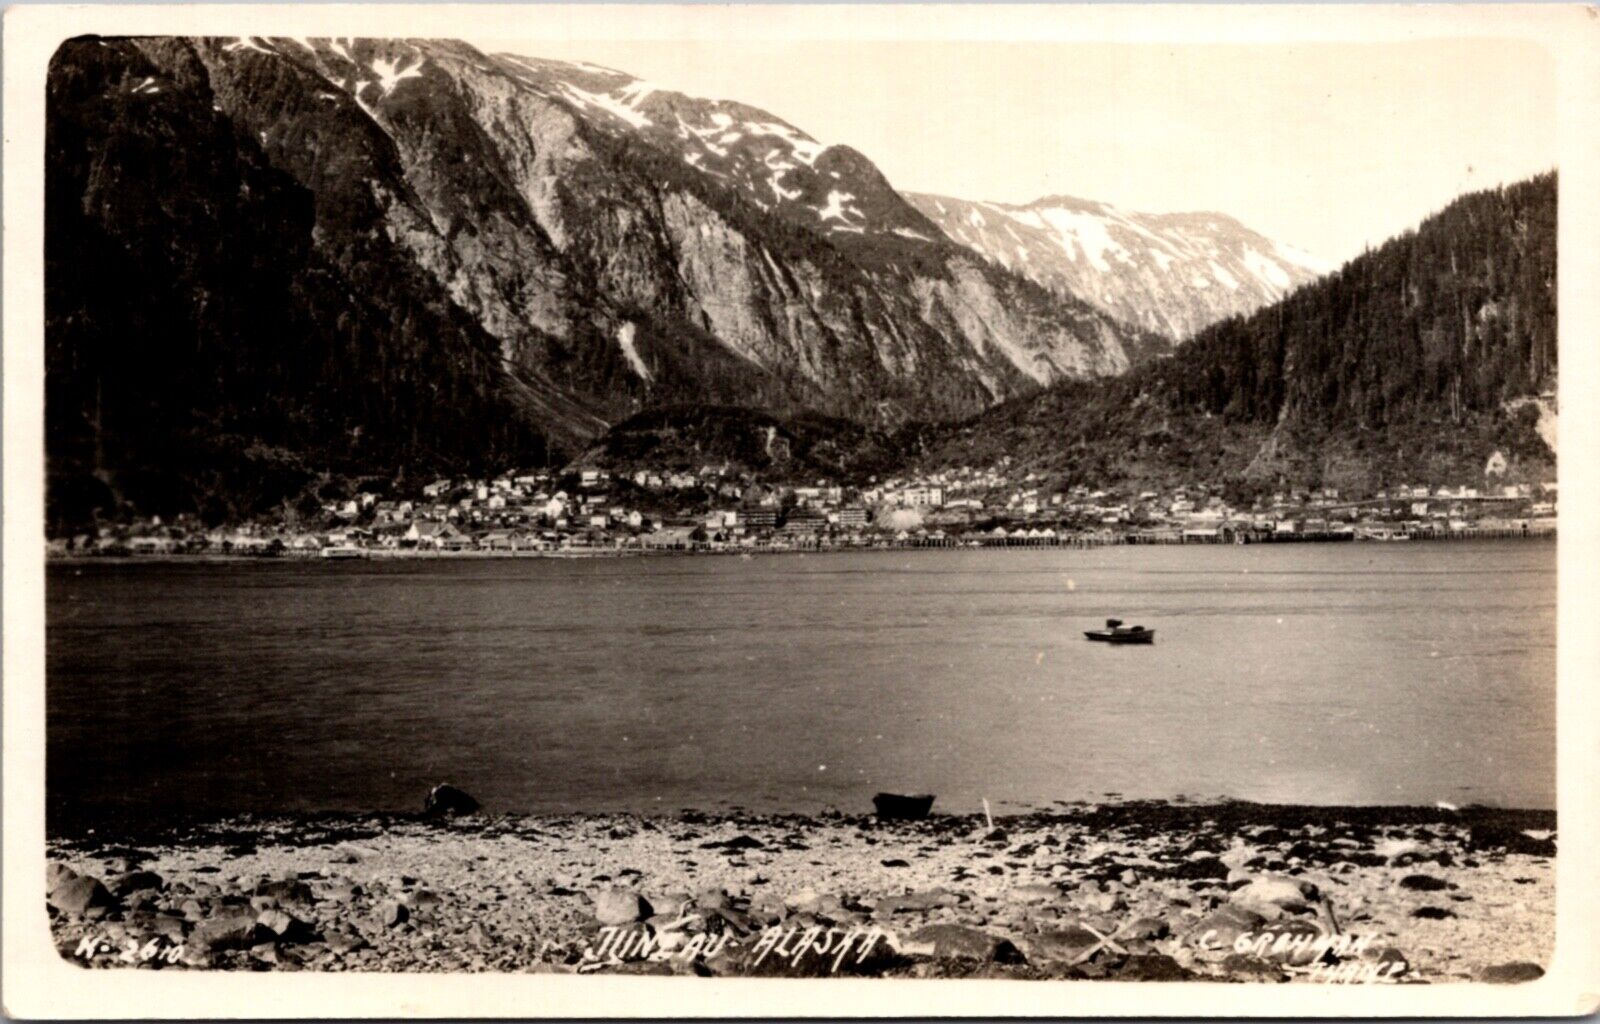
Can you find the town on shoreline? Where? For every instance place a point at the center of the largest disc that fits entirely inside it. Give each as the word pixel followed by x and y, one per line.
pixel 715 509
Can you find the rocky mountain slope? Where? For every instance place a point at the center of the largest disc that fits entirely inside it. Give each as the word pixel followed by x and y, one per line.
pixel 1172 273
pixel 350 255
pixel 1415 363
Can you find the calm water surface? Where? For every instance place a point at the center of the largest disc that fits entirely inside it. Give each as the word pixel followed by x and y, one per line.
pixel 1309 673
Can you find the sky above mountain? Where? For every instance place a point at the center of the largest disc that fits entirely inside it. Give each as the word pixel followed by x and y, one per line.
pixel 1330 147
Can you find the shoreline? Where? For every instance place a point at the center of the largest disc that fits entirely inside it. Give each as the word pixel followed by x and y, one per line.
pixel 1148 890
pixel 579 554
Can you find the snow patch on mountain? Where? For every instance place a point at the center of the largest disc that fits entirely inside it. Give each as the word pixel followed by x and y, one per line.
pixel 835 208
pixel 606 102
pixel 625 336
pixel 1170 273
pixel 392 72
pixel 249 43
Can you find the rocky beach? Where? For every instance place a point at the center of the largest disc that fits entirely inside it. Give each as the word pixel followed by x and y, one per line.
pixel 1151 891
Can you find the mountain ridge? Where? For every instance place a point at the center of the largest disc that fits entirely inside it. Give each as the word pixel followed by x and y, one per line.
pixel 580 270
pixel 1416 362
pixel 1173 273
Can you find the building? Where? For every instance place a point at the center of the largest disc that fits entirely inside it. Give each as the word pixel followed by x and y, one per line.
pixel 439 536
pixel 761 518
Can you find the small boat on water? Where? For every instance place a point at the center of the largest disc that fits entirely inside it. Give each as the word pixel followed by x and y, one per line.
pixel 1116 633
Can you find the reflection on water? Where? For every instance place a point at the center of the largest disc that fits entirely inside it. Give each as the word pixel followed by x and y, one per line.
pixel 1308 673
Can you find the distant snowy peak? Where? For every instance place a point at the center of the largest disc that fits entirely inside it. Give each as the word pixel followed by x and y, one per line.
pixel 1174 273
pixel 775 165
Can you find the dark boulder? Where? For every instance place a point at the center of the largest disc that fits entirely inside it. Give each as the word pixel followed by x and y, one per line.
pixel 736 844
pixel 1423 883
pixel 895 807
pixel 1510 974
pixel 446 801
pixel 1487 836
pixel 1151 967
pixel 283 925
pixel 234 931
pixel 960 942
pixel 1244 967
pixel 283 890
pixel 393 913
pixel 1200 868
pixel 136 881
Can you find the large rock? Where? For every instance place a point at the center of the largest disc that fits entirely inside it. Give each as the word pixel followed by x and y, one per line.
pixel 136 881
pixel 1510 974
pixel 80 895
pixel 285 890
pixel 960 942
pixel 234 931
pixel 1199 868
pixel 1244 967
pixel 56 873
pixel 896 807
pixel 1151 967
pixel 1423 883
pixel 1492 836
pixel 1034 892
pixel 1219 929
pixel 1147 929
pixel 446 801
pixel 1070 944
pixel 806 901
pixel 393 913
pixel 1280 891
pixel 341 942
pixel 914 902
pixel 620 906
pixel 283 925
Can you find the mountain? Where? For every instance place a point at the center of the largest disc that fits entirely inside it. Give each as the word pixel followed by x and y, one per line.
pixel 1414 363
pixel 320 258
pixel 1171 273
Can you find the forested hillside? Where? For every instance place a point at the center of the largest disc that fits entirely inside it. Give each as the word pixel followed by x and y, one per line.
pixel 1412 362
pixel 203 353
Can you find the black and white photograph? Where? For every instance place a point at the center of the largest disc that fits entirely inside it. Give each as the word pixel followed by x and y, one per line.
pixel 544 499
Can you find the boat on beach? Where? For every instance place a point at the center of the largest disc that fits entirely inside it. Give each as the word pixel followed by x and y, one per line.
pixel 1116 633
